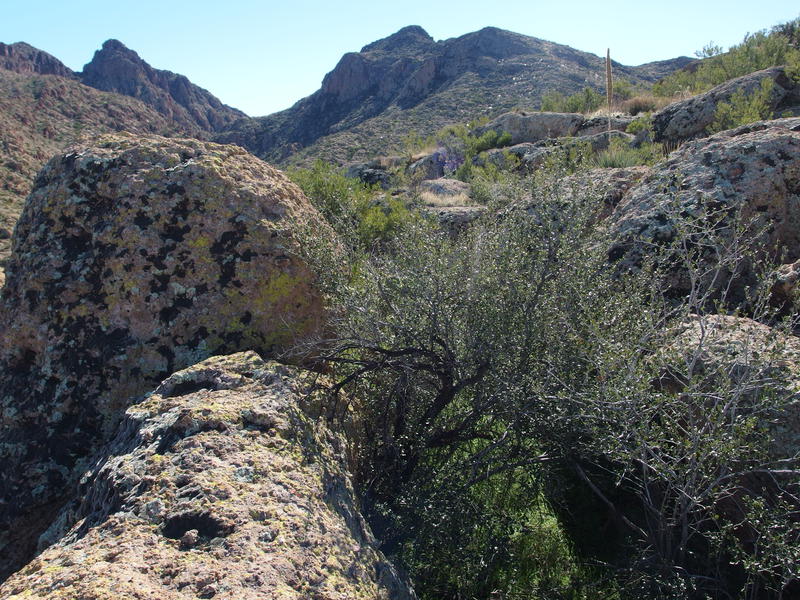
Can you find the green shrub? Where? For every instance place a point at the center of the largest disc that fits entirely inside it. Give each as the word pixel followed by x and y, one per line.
pixel 620 154
pixel 642 123
pixel 351 207
pixel 744 108
pixel 586 101
pixel 758 51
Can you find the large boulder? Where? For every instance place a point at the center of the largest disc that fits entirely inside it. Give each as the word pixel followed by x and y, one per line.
pixel 532 127
pixel 609 185
pixel 752 171
pixel 133 258
pixel 219 485
pixel 688 119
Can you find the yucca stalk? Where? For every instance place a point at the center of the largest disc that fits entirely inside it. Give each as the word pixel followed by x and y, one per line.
pixel 609 87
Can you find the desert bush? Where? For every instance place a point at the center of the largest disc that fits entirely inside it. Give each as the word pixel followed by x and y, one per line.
pixel 643 103
pixel 486 371
pixel 621 154
pixel 359 217
pixel 743 108
pixel 586 101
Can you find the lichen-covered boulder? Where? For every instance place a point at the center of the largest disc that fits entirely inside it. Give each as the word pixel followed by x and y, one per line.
pixel 218 485
pixel 752 171
pixel 133 258
pixel 688 119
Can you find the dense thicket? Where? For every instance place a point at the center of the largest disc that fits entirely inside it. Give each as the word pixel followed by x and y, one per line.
pixel 513 431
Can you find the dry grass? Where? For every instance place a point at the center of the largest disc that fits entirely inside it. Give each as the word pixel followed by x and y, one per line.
pixel 442 201
pixel 644 103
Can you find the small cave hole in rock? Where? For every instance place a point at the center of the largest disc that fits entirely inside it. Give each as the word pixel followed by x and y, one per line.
pixel 184 388
pixel 207 526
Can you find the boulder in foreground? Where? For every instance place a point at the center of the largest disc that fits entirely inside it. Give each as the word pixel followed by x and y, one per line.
pixel 218 485
pixel 133 258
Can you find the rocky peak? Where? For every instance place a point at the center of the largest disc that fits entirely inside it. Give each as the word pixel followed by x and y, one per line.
pixel 117 68
pixel 412 37
pixel 25 59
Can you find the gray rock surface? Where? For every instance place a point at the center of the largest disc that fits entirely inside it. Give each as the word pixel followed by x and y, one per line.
pixel 752 170
pixel 535 126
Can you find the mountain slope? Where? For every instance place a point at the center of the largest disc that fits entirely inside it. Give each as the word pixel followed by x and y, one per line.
pixel 407 82
pixel 116 68
pixel 25 59
pixel 40 115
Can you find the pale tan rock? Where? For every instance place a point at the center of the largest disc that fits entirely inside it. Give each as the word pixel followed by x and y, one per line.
pixel 534 126
pixel 252 500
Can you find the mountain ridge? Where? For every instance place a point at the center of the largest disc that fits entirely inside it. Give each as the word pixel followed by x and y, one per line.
pixel 409 82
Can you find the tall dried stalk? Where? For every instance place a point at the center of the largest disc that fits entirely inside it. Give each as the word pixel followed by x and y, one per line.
pixel 609 87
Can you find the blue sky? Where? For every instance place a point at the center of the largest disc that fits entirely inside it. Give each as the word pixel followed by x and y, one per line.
pixel 263 56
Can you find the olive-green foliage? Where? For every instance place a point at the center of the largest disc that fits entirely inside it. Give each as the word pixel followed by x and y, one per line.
pixel 456 348
pixel 353 209
pixel 486 370
pixel 642 123
pixel 758 51
pixel 744 108
pixel 586 101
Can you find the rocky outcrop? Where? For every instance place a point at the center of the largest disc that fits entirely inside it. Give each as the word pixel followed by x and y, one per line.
pixel 116 68
pixel 688 119
pixel 370 173
pixel 42 114
pixel 752 170
pixel 25 59
pixel 532 155
pixel 533 127
pixel 135 257
pixel 216 485
pixel 597 125
pixel 455 219
pixel 430 166
pixel 609 185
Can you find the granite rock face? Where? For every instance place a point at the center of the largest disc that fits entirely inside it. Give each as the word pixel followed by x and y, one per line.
pixel 116 68
pixel 688 119
pixel 135 257
pixel 217 484
pixel 753 170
